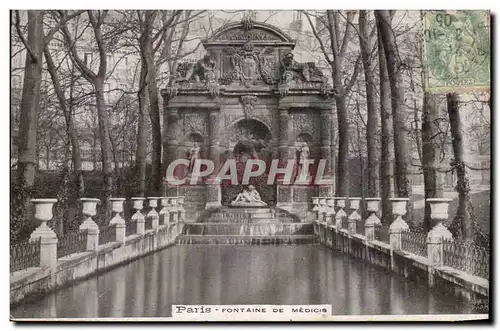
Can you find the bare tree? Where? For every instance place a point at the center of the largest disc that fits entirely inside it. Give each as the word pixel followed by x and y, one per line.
pixel 335 55
pixel 463 222
pixel 394 69
pixel 372 121
pixel 430 153
pixel 386 152
pixel 97 80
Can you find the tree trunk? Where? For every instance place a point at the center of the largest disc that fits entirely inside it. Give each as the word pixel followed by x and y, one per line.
pixel 372 121
pixel 148 56
pixel 386 152
pixel 430 153
pixel 30 99
pixel 106 157
pixel 342 175
pixel 402 181
pixel 154 113
pixel 142 140
pixel 463 222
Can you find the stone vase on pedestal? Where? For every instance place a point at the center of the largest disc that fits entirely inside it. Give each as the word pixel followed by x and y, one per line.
pixel 435 237
pixel 89 211
pixel 182 211
pixel 153 214
pixel 372 206
pixel 341 214
pixel 354 217
pixel 117 220
pixel 47 237
pixel 330 211
pixel 138 217
pixel 164 213
pixel 174 212
pixel 398 225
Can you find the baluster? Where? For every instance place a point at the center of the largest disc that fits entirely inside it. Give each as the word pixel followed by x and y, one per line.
pixel 90 210
pixel 47 237
pixel 372 206
pixel 138 217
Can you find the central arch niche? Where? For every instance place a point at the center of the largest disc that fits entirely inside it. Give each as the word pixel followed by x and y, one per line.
pixel 249 139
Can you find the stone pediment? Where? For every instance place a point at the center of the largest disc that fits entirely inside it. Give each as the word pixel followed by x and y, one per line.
pixel 251 55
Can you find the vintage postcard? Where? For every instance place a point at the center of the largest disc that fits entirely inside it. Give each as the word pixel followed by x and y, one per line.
pixel 250 165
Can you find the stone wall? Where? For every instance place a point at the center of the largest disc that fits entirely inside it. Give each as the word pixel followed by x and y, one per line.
pixel 33 282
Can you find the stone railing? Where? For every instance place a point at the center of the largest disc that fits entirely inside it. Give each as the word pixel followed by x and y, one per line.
pixel 435 253
pixel 47 256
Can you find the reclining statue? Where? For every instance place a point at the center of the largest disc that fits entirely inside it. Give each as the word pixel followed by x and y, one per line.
pixel 249 197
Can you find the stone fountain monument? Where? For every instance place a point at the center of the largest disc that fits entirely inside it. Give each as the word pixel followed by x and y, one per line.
pixel 248 98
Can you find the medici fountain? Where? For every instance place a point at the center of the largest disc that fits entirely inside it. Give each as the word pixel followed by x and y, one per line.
pixel 248 99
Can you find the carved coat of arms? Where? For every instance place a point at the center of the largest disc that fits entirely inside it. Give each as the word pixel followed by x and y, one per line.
pixel 249 65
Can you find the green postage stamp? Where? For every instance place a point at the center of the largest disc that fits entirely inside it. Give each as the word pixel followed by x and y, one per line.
pixel 456 50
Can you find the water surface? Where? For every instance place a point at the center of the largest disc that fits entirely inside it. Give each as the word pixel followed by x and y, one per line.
pixel 309 274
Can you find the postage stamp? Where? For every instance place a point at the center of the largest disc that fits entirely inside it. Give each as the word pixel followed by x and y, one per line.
pixel 456 50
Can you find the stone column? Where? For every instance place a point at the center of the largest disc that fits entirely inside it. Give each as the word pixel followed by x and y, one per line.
pixel 138 217
pixel 372 206
pixel 89 210
pixel 326 152
pixel 354 217
pixel 339 216
pixel 398 225
pixel 117 220
pixel 283 138
pixel 153 214
pixel 284 194
pixel 47 237
pixel 435 237
pixel 214 195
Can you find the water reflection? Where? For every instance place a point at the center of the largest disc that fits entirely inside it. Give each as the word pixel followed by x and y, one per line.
pixel 243 275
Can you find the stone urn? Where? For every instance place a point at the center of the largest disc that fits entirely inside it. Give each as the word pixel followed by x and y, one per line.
pixel 43 209
pixel 43 213
pixel 117 205
pixel 138 203
pixel 89 206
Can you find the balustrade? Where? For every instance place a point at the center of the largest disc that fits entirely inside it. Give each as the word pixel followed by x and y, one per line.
pixel 437 245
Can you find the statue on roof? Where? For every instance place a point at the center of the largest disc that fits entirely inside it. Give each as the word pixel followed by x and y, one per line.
pixel 202 71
